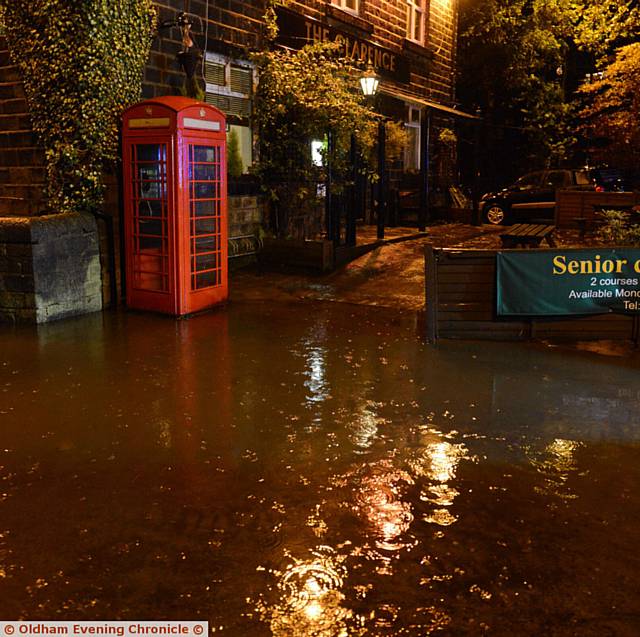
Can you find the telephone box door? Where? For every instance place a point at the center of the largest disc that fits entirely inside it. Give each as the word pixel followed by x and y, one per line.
pixel 150 231
pixel 204 279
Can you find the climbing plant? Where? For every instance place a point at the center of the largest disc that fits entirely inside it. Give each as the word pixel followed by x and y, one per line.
pixel 81 63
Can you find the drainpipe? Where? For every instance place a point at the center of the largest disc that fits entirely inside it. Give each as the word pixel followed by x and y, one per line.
pixel 328 185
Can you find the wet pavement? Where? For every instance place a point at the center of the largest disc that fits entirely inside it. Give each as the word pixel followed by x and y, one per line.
pixel 316 470
pixel 391 275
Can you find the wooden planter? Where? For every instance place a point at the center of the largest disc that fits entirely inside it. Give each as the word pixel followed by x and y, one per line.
pixel 296 253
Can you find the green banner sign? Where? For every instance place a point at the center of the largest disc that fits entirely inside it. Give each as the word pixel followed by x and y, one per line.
pixel 564 282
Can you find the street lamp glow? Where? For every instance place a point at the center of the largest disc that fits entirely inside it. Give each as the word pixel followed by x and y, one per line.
pixel 369 83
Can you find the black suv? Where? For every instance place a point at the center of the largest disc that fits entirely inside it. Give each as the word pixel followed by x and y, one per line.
pixel 533 196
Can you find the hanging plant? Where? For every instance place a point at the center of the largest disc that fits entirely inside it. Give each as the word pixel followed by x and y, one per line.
pixel 81 64
pixel 447 137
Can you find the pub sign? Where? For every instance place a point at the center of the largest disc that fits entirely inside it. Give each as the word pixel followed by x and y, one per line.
pixel 296 30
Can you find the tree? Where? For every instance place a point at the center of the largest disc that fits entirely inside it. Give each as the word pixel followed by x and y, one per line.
pixel 81 64
pixel 522 60
pixel 611 114
pixel 303 95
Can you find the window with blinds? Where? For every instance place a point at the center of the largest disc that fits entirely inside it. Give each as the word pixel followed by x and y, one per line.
pixel 229 86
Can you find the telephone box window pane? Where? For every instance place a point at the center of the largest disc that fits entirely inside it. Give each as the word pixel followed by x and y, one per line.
pixel 150 243
pixel 206 244
pixel 149 174
pixel 204 208
pixel 151 152
pixel 203 172
pixel 150 227
pixel 206 280
pixel 205 262
pixel 205 226
pixel 204 154
pixel 150 208
pixel 204 191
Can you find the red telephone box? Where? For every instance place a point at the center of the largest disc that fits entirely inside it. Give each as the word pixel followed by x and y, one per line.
pixel 175 190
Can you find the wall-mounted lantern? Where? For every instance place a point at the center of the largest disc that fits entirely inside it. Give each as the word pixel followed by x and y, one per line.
pixel 369 83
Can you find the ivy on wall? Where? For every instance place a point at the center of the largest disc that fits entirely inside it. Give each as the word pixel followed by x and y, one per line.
pixel 81 63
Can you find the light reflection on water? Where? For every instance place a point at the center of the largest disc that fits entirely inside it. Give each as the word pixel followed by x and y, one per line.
pixel 310 599
pixel 378 500
pixel 556 463
pixel 298 473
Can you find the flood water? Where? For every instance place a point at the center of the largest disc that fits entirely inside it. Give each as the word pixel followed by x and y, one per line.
pixel 316 470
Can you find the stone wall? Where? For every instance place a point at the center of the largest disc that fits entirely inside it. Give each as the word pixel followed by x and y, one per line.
pixel 246 215
pixel 49 268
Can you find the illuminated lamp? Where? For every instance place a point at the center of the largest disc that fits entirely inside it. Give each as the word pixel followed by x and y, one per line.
pixel 369 83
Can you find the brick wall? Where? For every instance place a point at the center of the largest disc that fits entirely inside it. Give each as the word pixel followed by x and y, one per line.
pixel 432 65
pixel 234 26
pixel 443 33
pixel 21 160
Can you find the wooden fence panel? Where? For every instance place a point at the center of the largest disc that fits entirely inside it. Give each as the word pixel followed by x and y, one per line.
pixel 577 208
pixel 461 303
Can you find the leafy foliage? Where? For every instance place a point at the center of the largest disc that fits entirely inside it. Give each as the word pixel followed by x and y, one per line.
pixel 620 228
pixel 81 63
pixel 612 110
pixel 521 61
pixel 301 96
pixel 395 141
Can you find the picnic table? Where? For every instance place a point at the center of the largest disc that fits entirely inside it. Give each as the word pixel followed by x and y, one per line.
pixel 528 235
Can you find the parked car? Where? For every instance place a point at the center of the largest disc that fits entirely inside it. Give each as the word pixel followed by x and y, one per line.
pixel 533 196
pixel 612 179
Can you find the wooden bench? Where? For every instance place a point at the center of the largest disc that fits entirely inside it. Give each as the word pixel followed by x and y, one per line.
pixel 528 235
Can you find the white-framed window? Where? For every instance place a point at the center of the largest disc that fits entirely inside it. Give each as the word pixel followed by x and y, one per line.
pixel 415 20
pixel 230 86
pixel 412 148
pixel 352 6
